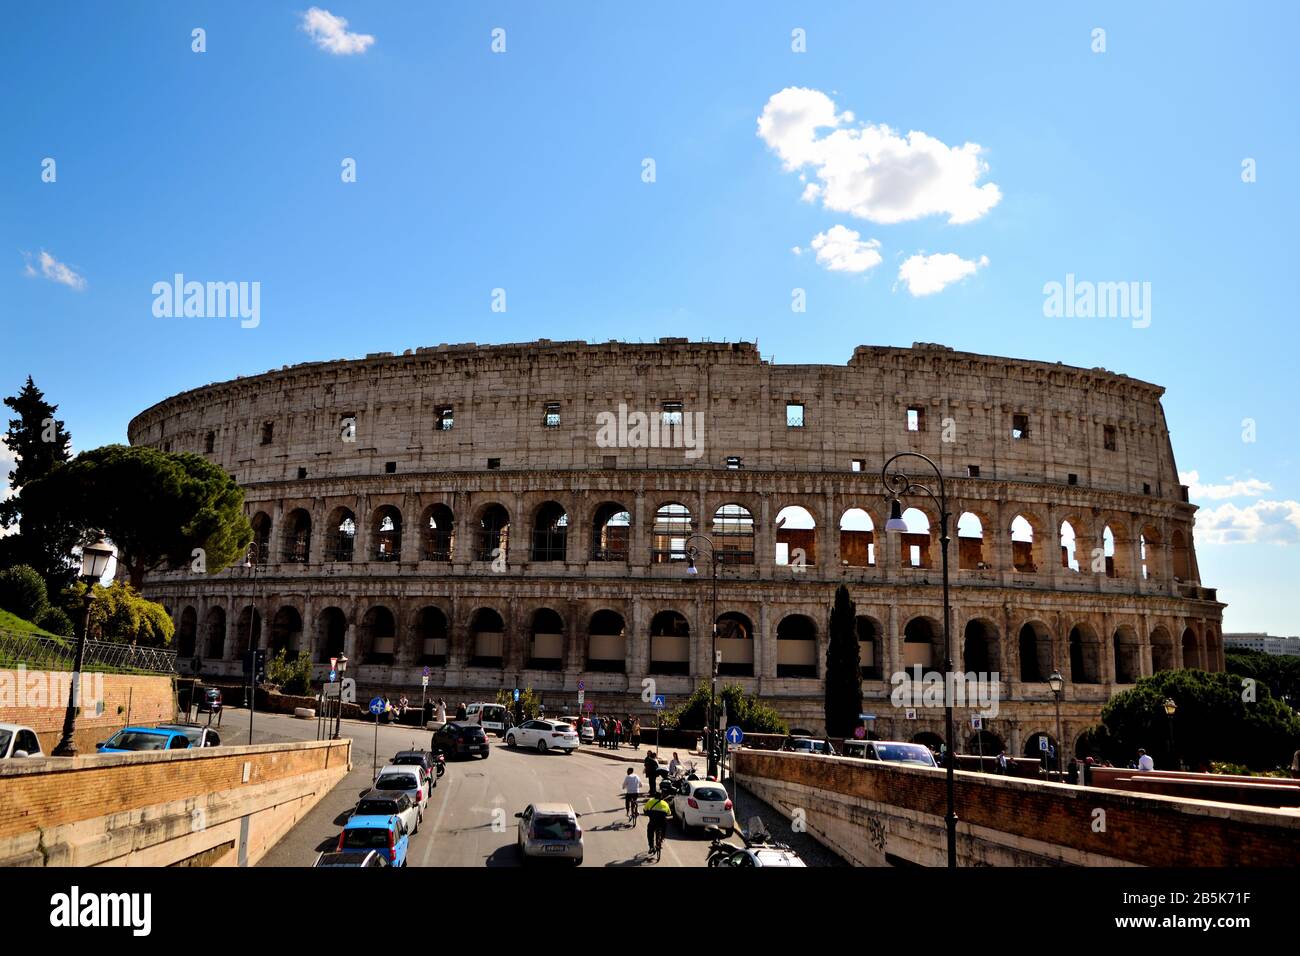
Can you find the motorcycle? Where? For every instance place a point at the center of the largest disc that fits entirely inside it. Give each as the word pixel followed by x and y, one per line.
pixel 720 851
pixel 441 764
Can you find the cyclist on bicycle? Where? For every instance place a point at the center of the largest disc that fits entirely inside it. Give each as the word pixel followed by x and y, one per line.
pixel 631 791
pixel 658 810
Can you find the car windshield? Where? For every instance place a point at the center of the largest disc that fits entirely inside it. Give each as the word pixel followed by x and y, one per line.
pixel 365 838
pixel 554 828
pixel 5 737
pixel 472 732
pixel 395 781
pixel 408 760
pixel 905 753
pixel 494 714
pixel 711 794
pixel 375 808
pixel 563 728
pixel 138 740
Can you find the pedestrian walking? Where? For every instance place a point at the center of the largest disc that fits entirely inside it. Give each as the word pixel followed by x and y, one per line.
pixel 618 729
pixel 651 771
pixel 1002 761
pixel 600 731
pixel 636 742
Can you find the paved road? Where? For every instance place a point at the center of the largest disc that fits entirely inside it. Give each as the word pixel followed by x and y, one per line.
pixel 470 818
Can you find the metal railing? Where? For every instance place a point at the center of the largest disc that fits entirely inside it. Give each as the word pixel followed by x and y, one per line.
pixel 37 652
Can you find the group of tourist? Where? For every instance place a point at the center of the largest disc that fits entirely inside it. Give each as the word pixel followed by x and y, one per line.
pixel 612 731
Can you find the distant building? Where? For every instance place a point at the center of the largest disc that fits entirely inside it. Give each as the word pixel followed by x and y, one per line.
pixel 1284 646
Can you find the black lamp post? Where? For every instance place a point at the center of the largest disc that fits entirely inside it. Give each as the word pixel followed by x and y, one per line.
pixel 1170 709
pixel 1057 683
pixel 338 711
pixel 94 562
pixel 897 486
pixel 710 733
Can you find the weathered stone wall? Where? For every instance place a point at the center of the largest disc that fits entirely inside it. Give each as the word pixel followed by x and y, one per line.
pixel 1093 451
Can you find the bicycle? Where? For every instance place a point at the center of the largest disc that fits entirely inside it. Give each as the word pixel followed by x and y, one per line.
pixel 632 806
pixel 659 845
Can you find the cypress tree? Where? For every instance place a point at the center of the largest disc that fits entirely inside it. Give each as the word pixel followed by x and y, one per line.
pixel 843 668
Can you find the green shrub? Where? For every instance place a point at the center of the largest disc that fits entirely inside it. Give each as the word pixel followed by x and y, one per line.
pixel 743 709
pixel 55 620
pixel 22 592
pixel 292 676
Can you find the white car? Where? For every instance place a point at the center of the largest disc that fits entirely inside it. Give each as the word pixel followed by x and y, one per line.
pixel 543 735
pixel 403 778
pixel 764 856
pixel 19 741
pixel 586 733
pixel 703 803
pixel 493 718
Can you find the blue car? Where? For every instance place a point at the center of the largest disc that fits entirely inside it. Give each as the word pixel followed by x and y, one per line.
pixel 130 740
pixel 363 834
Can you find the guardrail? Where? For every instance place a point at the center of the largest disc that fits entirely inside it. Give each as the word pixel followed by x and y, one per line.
pixel 48 653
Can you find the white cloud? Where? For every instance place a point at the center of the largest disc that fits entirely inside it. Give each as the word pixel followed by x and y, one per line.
pixel 1235 488
pixel 1264 522
pixel 840 249
pixel 54 270
pixel 870 171
pixel 926 275
pixel 331 33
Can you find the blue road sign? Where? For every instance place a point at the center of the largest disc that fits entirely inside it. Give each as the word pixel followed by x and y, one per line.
pixel 334 675
pixel 516 693
pixel 866 716
pixel 735 735
pixel 660 702
pixel 582 685
pixel 377 706
pixel 426 672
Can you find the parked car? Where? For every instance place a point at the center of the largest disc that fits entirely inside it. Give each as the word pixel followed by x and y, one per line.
pixel 895 751
pixel 141 739
pixel 492 718
pixel 543 735
pixel 703 803
pixel 387 835
pixel 407 779
pixel 199 735
pixel 418 758
pixel 209 700
pixel 461 740
pixel 808 745
pixel 586 733
pixel 390 803
pixel 334 858
pixel 19 741
pixel 550 830
pixel 759 850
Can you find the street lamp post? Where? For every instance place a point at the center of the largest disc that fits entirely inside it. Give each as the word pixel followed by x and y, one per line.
pixel 1170 708
pixel 338 709
pixel 692 553
pixel 250 562
pixel 1057 683
pixel 94 562
pixel 898 485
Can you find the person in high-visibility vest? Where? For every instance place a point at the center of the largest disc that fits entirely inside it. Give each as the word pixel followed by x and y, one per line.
pixel 657 810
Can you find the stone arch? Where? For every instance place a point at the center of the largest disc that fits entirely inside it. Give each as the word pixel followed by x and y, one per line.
pixel 1085 655
pixel 1026 531
pixel 733 534
pixel 1162 650
pixel 606 642
pixel 432 633
pixel 796 646
pixel 438 534
pixel 971 551
pixel 986 743
pixel 214 626
pixel 377 635
pixel 297 537
pixel 1032 748
pixel 611 532
pixel 187 634
pixel 1127 655
pixel 286 632
pixel 671 529
pixel 796 536
pixel 550 532
pixel 1151 554
pixel 248 628
pixel 1035 652
pixel 341 529
pixel 1069 545
pixel 487 635
pixel 871 660
pixel 857 539
pixel 386 534
pixel 1180 556
pixel 492 532
pixel 1121 547
pixel 546 640
pixel 331 633
pixel 1213 649
pixel 736 644
pixel 981 647
pixel 916 540
pixel 1191 650
pixel 922 644
pixel 670 643
pixel 261 549
pixel 928 738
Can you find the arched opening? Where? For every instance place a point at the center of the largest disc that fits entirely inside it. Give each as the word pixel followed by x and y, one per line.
pixel 671 529
pixel 796 537
pixel 1213 650
pixel 970 543
pixel 1124 645
pixel 431 636
pixel 922 644
pixel 1085 655
pixel 1034 747
pixel 187 634
pixel 857 539
pixel 980 652
pixel 439 534
pixel 1035 652
pixel 378 636
pixel 387 542
pixel 607 642
pixel 1069 547
pixel 736 644
pixel 915 541
pixel 493 534
pixel 1191 650
pixel 550 532
pixel 342 535
pixel 1149 545
pixel 1162 650
pixel 261 523
pixel 1022 545
pixel 1181 556
pixel 733 534
pixel 985 743
pixel 1108 551
pixel 869 658
pixel 248 631
pixel 670 644
pixel 796 646
pixel 487 639
pixel 546 641
pixel 216 633
pixel 931 740
pixel 611 533
pixel 331 634
pixel 297 537
pixel 286 632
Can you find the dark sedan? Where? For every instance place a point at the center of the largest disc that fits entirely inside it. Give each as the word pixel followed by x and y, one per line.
pixel 461 740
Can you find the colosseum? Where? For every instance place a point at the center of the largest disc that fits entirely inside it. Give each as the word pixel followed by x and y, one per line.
pixel 518 515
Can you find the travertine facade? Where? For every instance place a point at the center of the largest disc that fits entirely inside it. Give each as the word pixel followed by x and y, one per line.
pixel 494 513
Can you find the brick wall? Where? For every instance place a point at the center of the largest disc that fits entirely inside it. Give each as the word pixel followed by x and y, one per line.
pixel 38 699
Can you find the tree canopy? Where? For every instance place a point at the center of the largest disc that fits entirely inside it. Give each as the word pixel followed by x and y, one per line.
pixel 118 613
pixel 741 708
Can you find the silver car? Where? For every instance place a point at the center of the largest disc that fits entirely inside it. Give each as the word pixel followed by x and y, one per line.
pixel 389 803
pixel 404 778
pixel 550 830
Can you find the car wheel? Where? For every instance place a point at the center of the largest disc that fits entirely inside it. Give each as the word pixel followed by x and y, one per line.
pixel 578 862
pixel 541 746
pixel 510 741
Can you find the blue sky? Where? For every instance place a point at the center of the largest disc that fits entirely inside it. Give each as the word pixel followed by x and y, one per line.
pixel 524 170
